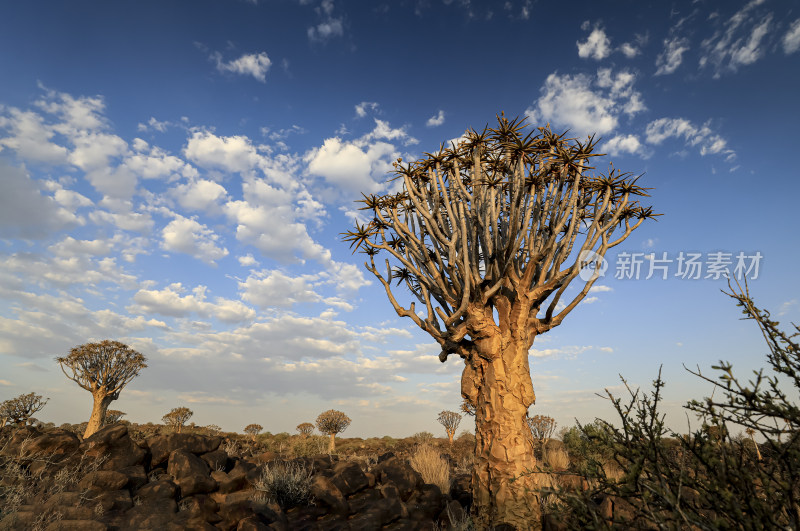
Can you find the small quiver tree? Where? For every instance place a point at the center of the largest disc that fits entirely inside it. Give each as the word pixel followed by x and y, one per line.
pixel 542 429
pixel 177 417
pixel 252 430
pixel 103 369
pixel 450 420
pixel 114 415
pixel 478 234
pixel 305 429
pixel 330 423
pixel 20 409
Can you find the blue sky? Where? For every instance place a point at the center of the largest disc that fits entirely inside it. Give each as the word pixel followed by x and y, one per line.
pixel 177 176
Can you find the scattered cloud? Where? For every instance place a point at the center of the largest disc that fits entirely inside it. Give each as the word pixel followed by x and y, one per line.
pixel 708 142
pixel 672 56
pixel 791 40
pixel 568 352
pixel 253 64
pixel 359 165
pixel 26 212
pixel 587 104
pixel 247 260
pixel 275 289
pixel 738 42
pixel 171 302
pixel 437 120
pixel 200 195
pixel 364 106
pixel 154 125
pixel 31 366
pixel 188 236
pixel 787 306
pixel 622 144
pixel 597 45
pixel 329 26
pixel 629 50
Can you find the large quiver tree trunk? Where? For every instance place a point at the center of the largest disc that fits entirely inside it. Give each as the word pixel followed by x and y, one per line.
pixel 497 380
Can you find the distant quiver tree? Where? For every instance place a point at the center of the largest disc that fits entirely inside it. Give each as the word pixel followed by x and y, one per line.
pixel 305 429
pixel 332 422
pixel 450 420
pixel 479 233
pixel 177 417
pixel 252 430
pixel 103 369
pixel 19 410
pixel 542 428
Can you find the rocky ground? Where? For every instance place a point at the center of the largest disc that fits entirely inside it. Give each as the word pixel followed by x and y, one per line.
pixel 53 480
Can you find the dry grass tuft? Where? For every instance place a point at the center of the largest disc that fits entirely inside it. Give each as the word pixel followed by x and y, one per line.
pixel 557 459
pixel 431 466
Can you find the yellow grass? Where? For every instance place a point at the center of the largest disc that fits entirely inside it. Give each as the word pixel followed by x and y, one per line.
pixel 558 459
pixel 430 465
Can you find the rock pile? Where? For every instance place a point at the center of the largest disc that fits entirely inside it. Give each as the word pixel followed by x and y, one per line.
pixel 186 481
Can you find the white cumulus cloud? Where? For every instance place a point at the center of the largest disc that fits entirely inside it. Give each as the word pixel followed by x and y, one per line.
pixel 251 64
pixel 587 104
pixel 437 120
pixel 185 235
pixel 596 46
pixel 623 144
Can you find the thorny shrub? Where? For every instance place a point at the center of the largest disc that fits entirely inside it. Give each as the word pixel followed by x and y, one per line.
pixel 706 479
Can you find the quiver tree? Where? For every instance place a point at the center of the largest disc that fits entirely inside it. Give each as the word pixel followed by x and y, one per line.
pixel 103 369
pixel 20 409
pixel 330 423
pixel 450 420
pixel 252 430
pixel 305 429
pixel 177 417
pixel 542 428
pixel 479 234
pixel 113 415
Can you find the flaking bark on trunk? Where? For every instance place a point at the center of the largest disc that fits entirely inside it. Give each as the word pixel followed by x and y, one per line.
pixel 332 445
pixel 101 401
pixel 498 381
